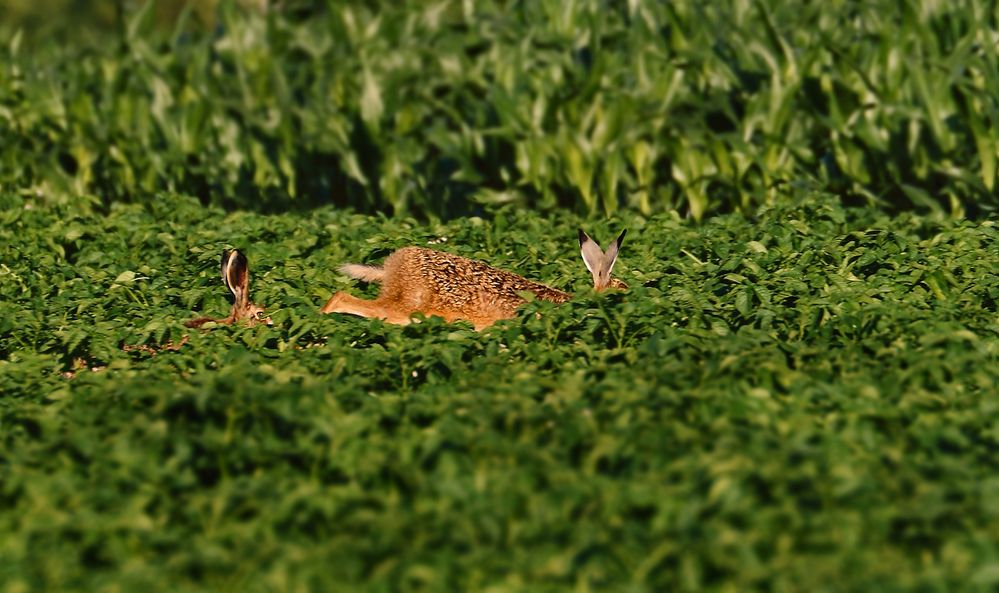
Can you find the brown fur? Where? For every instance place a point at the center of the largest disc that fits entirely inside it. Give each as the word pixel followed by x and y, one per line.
pixel 419 280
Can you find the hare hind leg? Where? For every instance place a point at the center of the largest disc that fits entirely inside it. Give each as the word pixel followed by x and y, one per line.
pixel 342 302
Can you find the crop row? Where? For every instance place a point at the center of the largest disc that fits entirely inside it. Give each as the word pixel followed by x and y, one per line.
pixel 439 109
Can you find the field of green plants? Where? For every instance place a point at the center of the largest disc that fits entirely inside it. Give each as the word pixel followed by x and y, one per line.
pixel 796 393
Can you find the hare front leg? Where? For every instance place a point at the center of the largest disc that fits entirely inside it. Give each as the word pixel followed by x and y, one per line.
pixel 342 302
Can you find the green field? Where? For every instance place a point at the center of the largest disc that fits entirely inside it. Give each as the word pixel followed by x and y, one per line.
pixel 796 393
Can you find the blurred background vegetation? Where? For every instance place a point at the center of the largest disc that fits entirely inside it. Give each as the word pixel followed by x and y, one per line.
pixel 76 21
pixel 444 108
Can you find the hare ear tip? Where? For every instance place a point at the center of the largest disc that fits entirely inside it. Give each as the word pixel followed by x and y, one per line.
pixel 583 236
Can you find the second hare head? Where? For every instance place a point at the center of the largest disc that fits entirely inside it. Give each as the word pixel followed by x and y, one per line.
pixel 235 272
pixel 600 263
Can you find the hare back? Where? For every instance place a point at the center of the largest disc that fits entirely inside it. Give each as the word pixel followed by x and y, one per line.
pixel 427 279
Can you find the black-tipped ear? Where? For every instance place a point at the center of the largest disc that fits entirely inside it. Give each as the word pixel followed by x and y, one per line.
pixel 620 238
pixel 611 256
pixel 224 267
pixel 234 273
pixel 239 269
pixel 591 252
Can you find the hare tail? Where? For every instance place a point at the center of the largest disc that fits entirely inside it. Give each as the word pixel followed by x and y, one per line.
pixel 366 273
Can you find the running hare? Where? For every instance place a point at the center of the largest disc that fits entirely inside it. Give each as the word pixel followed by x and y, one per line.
pixel 236 276
pixel 419 280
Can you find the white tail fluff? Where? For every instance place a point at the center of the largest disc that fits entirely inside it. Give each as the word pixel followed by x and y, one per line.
pixel 366 273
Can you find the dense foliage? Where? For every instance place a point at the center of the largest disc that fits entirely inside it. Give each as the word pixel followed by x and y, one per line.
pixel 793 395
pixel 801 402
pixel 436 108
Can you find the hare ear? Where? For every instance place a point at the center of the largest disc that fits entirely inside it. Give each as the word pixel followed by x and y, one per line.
pixel 591 252
pixel 223 266
pixel 235 275
pixel 611 256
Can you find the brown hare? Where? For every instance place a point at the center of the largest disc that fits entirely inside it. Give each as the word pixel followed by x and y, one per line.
pixel 420 280
pixel 236 276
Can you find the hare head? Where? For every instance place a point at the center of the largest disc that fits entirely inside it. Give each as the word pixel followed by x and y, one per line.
pixel 600 263
pixel 236 276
